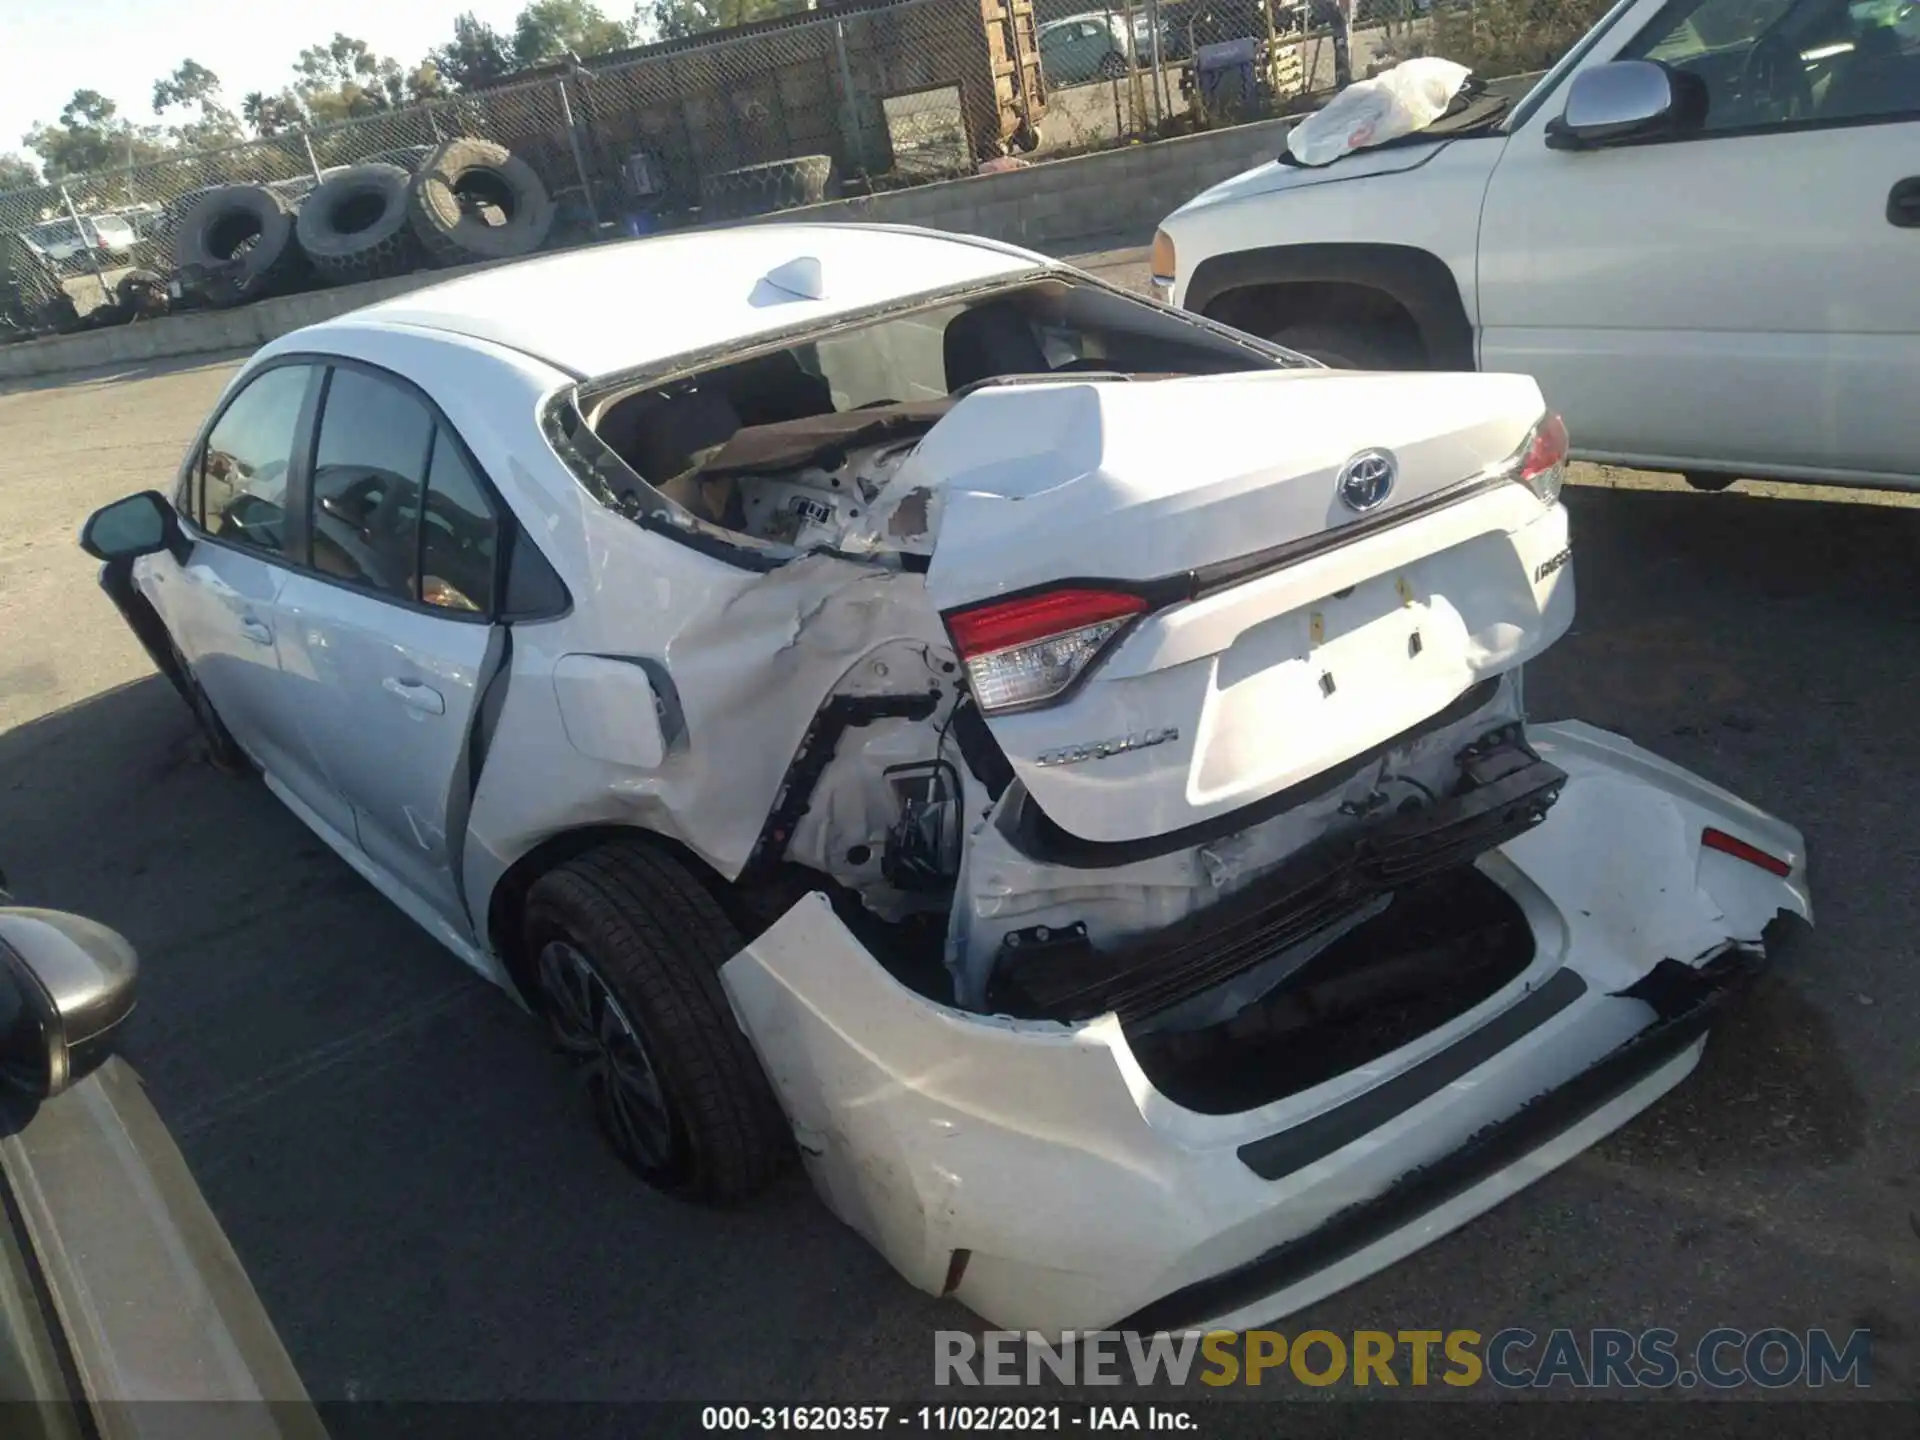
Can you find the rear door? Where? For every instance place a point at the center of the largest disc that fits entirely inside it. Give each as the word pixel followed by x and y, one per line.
pixel 388 633
pixel 1742 298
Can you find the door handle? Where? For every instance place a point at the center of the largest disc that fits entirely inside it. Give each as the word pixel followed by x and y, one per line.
pixel 1903 203
pixel 256 630
pixel 415 696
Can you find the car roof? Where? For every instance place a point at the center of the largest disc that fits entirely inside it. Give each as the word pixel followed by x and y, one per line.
pixel 607 308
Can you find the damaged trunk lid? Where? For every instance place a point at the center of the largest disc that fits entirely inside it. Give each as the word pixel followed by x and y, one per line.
pixel 1180 597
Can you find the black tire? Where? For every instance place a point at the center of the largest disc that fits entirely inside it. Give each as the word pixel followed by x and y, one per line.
pixel 1113 66
pixel 763 189
pixel 142 294
pixel 1362 345
pixel 223 751
pixel 244 234
pixel 1709 481
pixel 353 226
pixel 475 200
pixel 626 946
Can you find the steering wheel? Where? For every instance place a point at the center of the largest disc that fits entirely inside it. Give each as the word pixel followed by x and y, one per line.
pixel 1773 81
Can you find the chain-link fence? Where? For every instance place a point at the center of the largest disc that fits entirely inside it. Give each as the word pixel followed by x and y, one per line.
pixel 872 95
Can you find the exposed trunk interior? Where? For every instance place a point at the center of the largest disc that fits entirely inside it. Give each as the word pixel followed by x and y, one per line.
pixel 1440 947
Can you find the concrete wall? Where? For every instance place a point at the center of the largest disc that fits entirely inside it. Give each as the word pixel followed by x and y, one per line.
pixel 204 332
pixel 1044 206
pixel 1050 205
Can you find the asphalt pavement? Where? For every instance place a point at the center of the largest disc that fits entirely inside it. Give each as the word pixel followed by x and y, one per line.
pixel 425 1207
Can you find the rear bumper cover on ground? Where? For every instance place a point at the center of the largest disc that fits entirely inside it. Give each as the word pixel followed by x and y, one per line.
pixel 971 1149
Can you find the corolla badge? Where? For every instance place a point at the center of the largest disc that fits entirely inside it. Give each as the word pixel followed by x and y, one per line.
pixel 1366 480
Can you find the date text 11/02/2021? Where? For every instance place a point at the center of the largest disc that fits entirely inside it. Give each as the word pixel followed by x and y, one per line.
pixel 931 1419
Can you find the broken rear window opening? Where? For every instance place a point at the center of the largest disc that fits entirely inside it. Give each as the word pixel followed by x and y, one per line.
pixel 766 452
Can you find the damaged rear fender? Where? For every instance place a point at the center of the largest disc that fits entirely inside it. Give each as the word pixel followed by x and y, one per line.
pixel 898 1105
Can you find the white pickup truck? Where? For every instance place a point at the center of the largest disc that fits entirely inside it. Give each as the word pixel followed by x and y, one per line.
pixel 1700 233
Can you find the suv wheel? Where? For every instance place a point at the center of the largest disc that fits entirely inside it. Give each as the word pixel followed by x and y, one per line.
pixel 626 947
pixel 1353 347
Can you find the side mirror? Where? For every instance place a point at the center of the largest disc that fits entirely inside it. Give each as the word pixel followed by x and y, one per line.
pixel 1626 100
pixel 66 983
pixel 142 524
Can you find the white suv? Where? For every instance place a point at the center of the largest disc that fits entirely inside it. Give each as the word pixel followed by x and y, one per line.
pixel 1700 233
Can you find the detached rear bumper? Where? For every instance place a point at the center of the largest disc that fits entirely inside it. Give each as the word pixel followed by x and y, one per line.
pixel 1032 1169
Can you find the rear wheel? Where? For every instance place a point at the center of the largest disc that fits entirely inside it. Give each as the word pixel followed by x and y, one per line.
pixel 626 946
pixel 1708 480
pixel 1363 346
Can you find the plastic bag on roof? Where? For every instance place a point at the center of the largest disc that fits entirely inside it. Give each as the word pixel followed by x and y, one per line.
pixel 1409 97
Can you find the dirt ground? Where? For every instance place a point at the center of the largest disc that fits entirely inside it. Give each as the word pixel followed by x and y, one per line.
pixel 428 1213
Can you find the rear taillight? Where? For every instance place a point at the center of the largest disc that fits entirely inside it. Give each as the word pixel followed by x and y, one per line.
pixel 1542 466
pixel 1031 650
pixel 1739 849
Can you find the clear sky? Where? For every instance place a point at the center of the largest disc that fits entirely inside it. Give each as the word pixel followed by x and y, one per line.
pixel 50 48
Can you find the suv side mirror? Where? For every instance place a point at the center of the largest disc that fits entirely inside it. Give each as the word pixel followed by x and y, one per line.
pixel 66 984
pixel 1627 100
pixel 142 524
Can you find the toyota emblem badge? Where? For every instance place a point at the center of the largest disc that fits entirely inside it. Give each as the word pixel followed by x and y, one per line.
pixel 1366 480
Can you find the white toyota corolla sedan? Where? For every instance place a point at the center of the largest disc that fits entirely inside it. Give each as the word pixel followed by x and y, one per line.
pixel 1054 763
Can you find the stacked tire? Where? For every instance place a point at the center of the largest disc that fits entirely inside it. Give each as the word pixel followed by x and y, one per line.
pixel 241 238
pixel 462 201
pixel 468 200
pixel 354 225
pixel 475 200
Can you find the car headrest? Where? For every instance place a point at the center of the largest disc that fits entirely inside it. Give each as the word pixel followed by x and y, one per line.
pixel 669 435
pixel 770 388
pixel 989 341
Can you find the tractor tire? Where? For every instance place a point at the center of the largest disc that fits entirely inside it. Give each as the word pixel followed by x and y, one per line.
pixel 475 200
pixel 763 189
pixel 353 226
pixel 244 234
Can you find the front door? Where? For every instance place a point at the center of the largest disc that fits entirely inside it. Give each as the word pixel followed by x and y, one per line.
pixel 219 605
pixel 1743 298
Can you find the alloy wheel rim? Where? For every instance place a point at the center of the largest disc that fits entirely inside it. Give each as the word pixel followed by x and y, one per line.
pixel 593 1030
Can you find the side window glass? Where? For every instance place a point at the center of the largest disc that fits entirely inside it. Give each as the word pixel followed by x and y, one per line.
pixel 1770 63
pixel 368 468
pixel 243 470
pixel 459 534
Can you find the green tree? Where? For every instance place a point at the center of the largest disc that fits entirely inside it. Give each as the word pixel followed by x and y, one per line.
pixel 676 19
pixel 477 53
pixel 345 79
pixel 270 114
pixel 195 88
pixel 425 82
pixel 92 135
pixel 17 172
pixel 548 30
